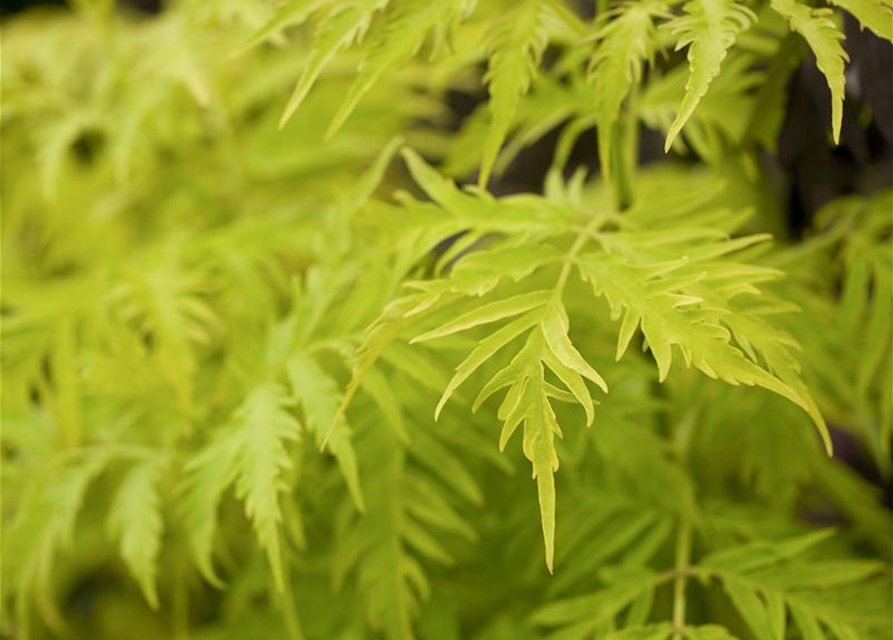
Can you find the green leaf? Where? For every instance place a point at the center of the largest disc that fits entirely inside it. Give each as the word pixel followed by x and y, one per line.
pixel 555 326
pixel 709 30
pixel 808 623
pixel 752 608
pixel 647 297
pixel 875 15
pixel 485 349
pixel 759 554
pixel 443 463
pixel 320 397
pixel 44 527
pixel 407 27
pixel 161 299
pixel 440 189
pixel 765 578
pixel 518 214
pixel 540 428
pixel 821 33
pixel 645 632
pixel 337 30
pixel 527 402
pixel 480 271
pixel 592 610
pixel 771 106
pixel 378 387
pixel 263 428
pixel 515 50
pixel 291 14
pixel 207 476
pixel 488 313
pixel 626 38
pixel 384 331
pixel 573 381
pixel 880 323
pixel 135 520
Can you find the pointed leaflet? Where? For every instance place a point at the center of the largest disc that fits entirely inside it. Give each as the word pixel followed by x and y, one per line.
pixel 482 212
pixel 291 14
pixel 344 23
pixel 434 454
pixel 208 475
pixel 593 612
pixel 573 381
pixel 709 29
pixel 379 389
pixel 320 398
pixel 364 188
pixel 540 427
pixel 264 427
pixel 515 50
pixel 877 328
pixel 818 28
pixel 808 623
pixel 761 553
pixel 489 313
pixel 626 39
pixel 771 103
pixel 135 520
pixel 480 271
pixel 485 349
pixel 753 609
pixel 876 15
pixel 554 329
pixel 441 190
pixel 408 25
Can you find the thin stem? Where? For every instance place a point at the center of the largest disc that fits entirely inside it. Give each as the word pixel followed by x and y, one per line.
pixel 630 144
pixel 672 574
pixel 579 242
pixel 180 608
pixel 683 557
pixel 584 235
pixel 334 344
pixel 624 154
pixel 288 607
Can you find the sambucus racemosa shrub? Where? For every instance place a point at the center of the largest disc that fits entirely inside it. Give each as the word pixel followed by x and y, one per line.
pixel 277 367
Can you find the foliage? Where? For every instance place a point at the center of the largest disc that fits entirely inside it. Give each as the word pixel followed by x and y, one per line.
pixel 257 349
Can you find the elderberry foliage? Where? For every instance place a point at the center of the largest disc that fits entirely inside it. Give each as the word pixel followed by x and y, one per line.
pixel 280 344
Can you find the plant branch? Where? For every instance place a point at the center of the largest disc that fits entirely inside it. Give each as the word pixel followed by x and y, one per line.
pixel 682 571
pixel 584 235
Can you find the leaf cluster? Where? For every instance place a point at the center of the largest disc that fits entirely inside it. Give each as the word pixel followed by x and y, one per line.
pixel 271 364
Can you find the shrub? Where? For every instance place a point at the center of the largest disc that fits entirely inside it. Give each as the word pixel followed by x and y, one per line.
pixel 269 371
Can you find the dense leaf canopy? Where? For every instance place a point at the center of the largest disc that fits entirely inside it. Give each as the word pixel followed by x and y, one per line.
pixel 279 343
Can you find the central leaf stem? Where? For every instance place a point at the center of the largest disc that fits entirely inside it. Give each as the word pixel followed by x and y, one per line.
pixel 585 234
pixel 683 557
